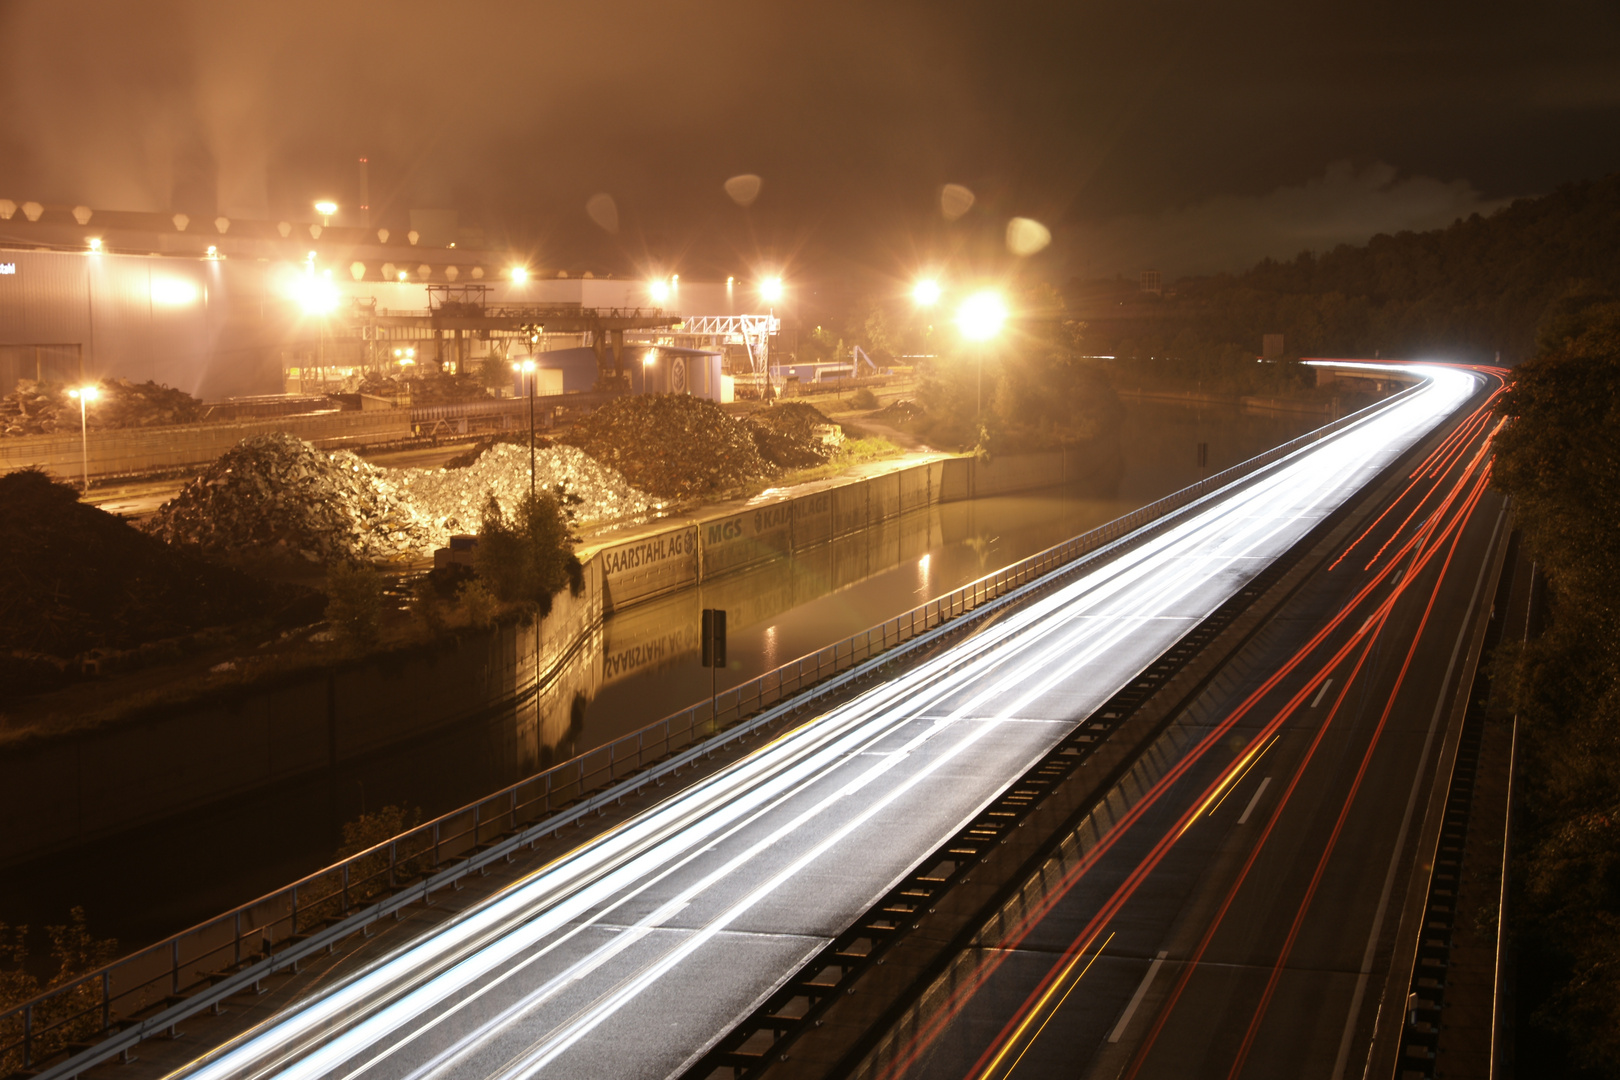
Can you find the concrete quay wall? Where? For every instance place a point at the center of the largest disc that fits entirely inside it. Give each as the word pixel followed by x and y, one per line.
pixel 62 791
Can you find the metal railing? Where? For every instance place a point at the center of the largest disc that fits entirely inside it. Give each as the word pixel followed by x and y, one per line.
pixel 150 990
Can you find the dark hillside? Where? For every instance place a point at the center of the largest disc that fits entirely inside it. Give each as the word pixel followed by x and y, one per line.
pixel 1481 286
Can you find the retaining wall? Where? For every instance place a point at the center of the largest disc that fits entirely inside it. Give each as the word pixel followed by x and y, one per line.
pixel 59 792
pixel 136 450
pixel 690 552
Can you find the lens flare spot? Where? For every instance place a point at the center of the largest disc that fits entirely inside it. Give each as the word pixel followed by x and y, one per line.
pixel 1026 236
pixel 954 201
pixel 604 211
pixel 744 189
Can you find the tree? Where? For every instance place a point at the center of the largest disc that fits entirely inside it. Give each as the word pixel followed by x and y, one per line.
pixel 354 606
pixel 530 558
pixel 1560 461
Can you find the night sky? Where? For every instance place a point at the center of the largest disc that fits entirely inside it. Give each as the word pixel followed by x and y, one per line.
pixel 1186 136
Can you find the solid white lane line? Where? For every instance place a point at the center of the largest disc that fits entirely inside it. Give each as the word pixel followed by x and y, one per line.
pixel 1318 699
pixel 1259 791
pixel 1136 998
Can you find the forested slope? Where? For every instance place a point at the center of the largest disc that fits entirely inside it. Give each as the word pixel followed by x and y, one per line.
pixel 1479 287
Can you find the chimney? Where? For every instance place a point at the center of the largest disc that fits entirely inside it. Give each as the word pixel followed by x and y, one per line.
pixel 365 195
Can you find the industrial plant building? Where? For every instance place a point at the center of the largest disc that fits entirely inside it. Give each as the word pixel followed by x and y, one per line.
pixel 228 308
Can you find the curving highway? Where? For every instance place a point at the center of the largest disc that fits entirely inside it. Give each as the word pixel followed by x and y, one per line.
pixel 630 955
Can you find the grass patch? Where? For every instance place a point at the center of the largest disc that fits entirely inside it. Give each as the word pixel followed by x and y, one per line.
pixel 857 451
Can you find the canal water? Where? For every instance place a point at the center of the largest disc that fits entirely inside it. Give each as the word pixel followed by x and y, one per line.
pixel 795 605
pixel 644 667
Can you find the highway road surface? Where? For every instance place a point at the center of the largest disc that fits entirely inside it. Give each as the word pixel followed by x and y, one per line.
pixel 633 953
pixel 1230 909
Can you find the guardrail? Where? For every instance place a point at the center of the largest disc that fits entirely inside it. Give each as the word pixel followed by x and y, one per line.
pixel 184 974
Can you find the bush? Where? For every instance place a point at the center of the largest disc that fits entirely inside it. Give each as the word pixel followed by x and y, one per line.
pixel 1560 461
pixel 75 953
pixel 479 603
pixel 531 558
pixel 863 399
pixel 354 607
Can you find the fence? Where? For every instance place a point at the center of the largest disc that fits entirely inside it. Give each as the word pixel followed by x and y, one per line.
pixel 196 968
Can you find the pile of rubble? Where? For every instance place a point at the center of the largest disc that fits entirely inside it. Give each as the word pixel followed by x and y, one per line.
pixel 78 579
pixel 517 438
pixel 278 495
pixel 429 388
pixel 672 446
pixel 901 413
pixel 453 499
pixel 44 408
pixel 793 435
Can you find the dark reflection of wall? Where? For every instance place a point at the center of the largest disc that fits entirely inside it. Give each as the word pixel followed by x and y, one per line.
pixel 638 666
pixel 665 632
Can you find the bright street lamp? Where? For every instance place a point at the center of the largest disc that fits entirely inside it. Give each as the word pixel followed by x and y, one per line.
pixel 85 394
pixel 927 292
pixel 980 318
pixel 659 291
pixel 981 315
pixel 520 274
pixel 326 208
pixel 770 290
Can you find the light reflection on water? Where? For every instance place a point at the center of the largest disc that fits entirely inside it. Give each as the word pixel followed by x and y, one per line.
pixel 644 666
pixel 796 604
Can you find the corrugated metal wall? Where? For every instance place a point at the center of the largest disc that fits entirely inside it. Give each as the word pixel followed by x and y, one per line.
pixel 199 325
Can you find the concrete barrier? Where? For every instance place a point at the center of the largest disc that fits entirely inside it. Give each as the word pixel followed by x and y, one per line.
pixel 138 450
pixel 649 566
pixel 850 508
pixel 812 520
pixel 741 540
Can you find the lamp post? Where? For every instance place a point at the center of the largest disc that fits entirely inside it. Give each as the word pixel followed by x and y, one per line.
pixel 528 369
pixel 980 318
pixel 85 394
pixel 925 295
pixel 770 290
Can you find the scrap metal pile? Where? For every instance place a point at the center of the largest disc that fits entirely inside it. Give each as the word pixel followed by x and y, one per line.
pixel 44 408
pixel 673 446
pixel 430 388
pixel 454 498
pixel 278 495
pixel 794 435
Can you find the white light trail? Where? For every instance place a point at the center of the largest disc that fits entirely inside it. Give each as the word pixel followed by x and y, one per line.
pixel 704 855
